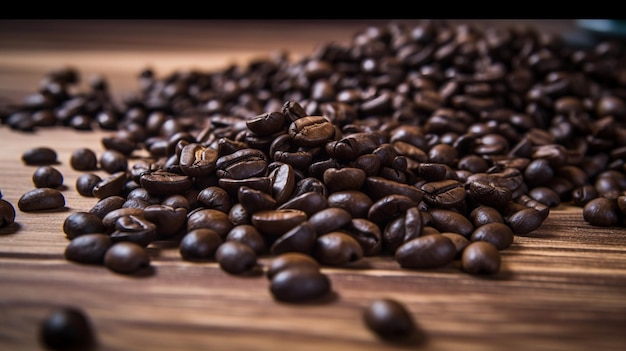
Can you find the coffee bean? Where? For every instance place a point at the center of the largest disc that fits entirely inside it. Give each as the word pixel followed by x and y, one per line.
pixel 429 251
pixel 277 222
pixel 197 160
pixel 7 213
pixel 110 219
pixel 330 219
pixel 88 248
pixel 126 257
pixel 336 249
pixel 199 244
pixel 481 257
pixel 289 260
pixel 389 319
pixel 235 257
pixel 311 131
pixel 164 183
pixel 356 202
pixel 309 203
pixel 267 124
pixel 112 161
pixel 67 328
pixel 255 200
pixel 112 185
pixel 47 177
pixel 86 182
pixel 524 221
pixel 84 159
pixel 41 155
pixel 249 235
pixel 601 212
pixel 169 221
pixel 106 205
pixel 134 229
pixel 299 283
pixel 403 228
pixel 459 241
pixel 300 238
pixel 210 219
pixel 367 233
pixel 451 221
pixel 80 223
pixel 41 199
pixel 498 234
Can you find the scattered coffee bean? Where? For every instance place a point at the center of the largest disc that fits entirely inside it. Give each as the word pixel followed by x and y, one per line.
pixel 7 213
pixel 86 182
pixel 199 244
pixel 88 248
pixel 299 283
pixel 126 257
pixel 47 177
pixel 235 257
pixel 84 159
pixel 41 199
pixel 67 328
pixel 481 257
pixel 40 156
pixel 389 319
pixel 80 223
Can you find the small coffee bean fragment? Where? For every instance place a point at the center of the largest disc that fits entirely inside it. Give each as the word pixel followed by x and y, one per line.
pixel 88 248
pixel 7 213
pixel 40 156
pixel 41 199
pixel 47 177
pixel 235 257
pixel 389 319
pixel 126 257
pixel 67 328
pixel 481 257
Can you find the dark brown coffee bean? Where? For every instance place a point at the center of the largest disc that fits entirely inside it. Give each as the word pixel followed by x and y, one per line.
pixel 88 248
pixel 232 186
pixel 110 219
pixel 299 284
pixel 7 213
pixel 309 203
pixel 235 257
pixel 389 319
pixel 216 198
pixel 489 194
pixel 41 199
pixel 367 233
pixel 126 257
pixel 545 196
pixel 112 161
pixel 177 201
pixel 267 124
pixel 112 185
pixel 123 145
pixel 499 234
pixel 163 183
pixel 289 260
pixel 211 219
pixel 401 229
pixel 67 328
pixel 300 238
pixel 601 212
pixel 378 187
pixel 86 182
pixel 524 221
pixel 199 244
pixel 254 200
pixel 459 241
pixel 447 193
pixel 84 159
pixel 106 205
pixel 336 249
pixel 277 222
pixel 354 201
pixel 169 221
pixel 484 215
pixel 330 219
pixel 197 160
pixel 249 235
pixel 40 156
pixel 134 229
pixel 429 251
pixel 80 223
pixel 311 131
pixel 450 221
pixel 341 179
pixel 242 164
pixel 47 177
pixel 481 257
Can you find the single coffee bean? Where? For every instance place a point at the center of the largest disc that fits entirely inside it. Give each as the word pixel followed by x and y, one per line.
pixel 211 219
pixel 84 159
pixel 112 185
pixel 126 257
pixel 112 161
pixel 336 249
pixel 297 284
pixel 481 257
pixel 169 221
pixel 283 183
pixel 378 187
pixel 601 212
pixel 341 179
pixel 300 238
pixel 199 244
pixel 67 328
pixel 88 248
pixel 367 233
pixel 485 214
pixel 429 251
pixel 290 260
pixel 267 124
pixel 524 221
pixel 40 156
pixel 249 235
pixel 235 257
pixel 7 213
pixel 47 177
pixel 41 199
pixel 309 203
pixel 389 319
pixel 255 200
pixel 238 215
pixel 356 202
pixel 447 193
pixel 311 131
pixel 330 219
pixel 402 229
pixel 110 219
pixel 450 221
pixel 135 229
pixel 106 205
pixel 86 182
pixel 80 223
pixel 197 160
pixel 123 145
pixel 275 223
pixel 499 234
pixel 162 183
pixel 389 207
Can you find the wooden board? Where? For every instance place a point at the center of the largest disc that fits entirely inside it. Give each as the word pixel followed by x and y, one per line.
pixel 562 287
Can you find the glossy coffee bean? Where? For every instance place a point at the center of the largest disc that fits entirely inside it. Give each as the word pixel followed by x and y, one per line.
pixel 336 249
pixel 430 251
pixel 112 161
pixel 481 257
pixel 389 319
pixel 41 199
pixel 126 257
pixel 41 155
pixel 67 328
pixel 7 213
pixel 290 260
pixel 106 205
pixel 275 223
pixel 88 248
pixel 249 235
pixel 330 219
pixel 197 160
pixel 47 177
pixel 297 284
pixel 135 229
pixel 235 257
pixel 163 183
pixel 84 159
pixel 112 185
pixel 169 221
pixel 80 223
pixel 300 238
pixel 86 182
pixel 601 212
pixel 498 234
pixel 211 219
pixel 311 131
pixel 199 244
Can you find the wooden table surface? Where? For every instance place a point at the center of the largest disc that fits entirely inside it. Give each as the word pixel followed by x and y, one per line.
pixel 562 287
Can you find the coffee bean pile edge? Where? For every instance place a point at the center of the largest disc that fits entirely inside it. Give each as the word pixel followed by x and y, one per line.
pixel 430 144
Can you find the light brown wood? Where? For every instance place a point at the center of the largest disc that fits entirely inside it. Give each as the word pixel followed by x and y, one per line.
pixel 562 287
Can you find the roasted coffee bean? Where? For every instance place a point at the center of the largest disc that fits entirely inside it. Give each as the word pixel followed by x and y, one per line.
pixel 451 221
pixel 7 213
pixel 232 186
pixel 311 131
pixel 299 284
pixel 447 193
pixel 238 215
pixel 489 194
pixel 481 257
pixel 84 159
pixel 197 160
pixel 40 156
pixel 524 221
pixel 80 223
pixel 424 252
pixel 211 219
pixel 112 161
pixel 47 177
pixel 242 164
pixel 283 183
pixel 106 205
pixel 354 201
pixel 177 201
pixel 126 257
pixel 336 249
pixel 86 182
pixel 367 233
pixel 289 260
pixel 602 212
pixel 110 219
pixel 545 196
pixel 235 257
pixel 216 198
pixel 309 203
pixel 41 199
pixel 88 248
pixel 459 241
pixel 403 228
pixel 499 234
pixel 484 215
pixel 389 319
pixel 342 179
pixel 310 184
pixel 112 185
pixel 277 222
pixel 330 219
pixel 123 145
pixel 300 238
pixel 67 328
pixel 581 195
pixel 169 221
pixel 162 183
pixel 254 200
pixel 267 124
pixel 199 244
pixel 135 229
pixel 249 235
pixel 378 187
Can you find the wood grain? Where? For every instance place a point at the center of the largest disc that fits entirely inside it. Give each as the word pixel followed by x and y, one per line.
pixel 562 287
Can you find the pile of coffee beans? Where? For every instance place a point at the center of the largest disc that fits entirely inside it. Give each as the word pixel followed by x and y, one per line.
pixel 428 143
